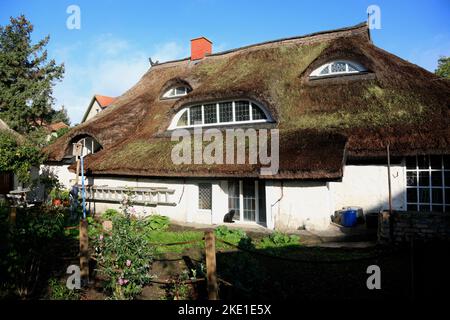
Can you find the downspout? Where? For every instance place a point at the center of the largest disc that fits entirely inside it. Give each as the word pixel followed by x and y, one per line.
pixel 272 205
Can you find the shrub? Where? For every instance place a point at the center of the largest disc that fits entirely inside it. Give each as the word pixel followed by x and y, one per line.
pixel 110 214
pixel 29 249
pixel 124 257
pixel 235 236
pixel 156 222
pixel 59 291
pixel 278 239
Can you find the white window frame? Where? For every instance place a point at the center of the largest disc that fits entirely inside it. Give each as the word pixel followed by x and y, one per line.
pixel 430 187
pixel 172 92
pixel 241 203
pixel 317 72
pixel 174 124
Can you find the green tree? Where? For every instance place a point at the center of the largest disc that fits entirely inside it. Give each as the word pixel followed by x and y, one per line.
pixel 26 76
pixel 60 115
pixel 443 69
pixel 18 156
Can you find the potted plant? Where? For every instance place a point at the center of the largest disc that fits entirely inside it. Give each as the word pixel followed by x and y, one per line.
pixel 64 195
pixel 55 195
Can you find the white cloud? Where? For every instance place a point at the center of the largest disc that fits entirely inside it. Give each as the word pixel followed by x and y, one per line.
pixel 169 51
pixel 104 65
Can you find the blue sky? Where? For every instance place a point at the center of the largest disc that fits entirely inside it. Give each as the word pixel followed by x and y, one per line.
pixel 110 52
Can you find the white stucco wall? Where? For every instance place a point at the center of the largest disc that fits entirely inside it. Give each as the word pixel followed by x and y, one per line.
pixel 65 177
pixel 96 109
pixel 289 204
pixel 366 186
pixel 294 204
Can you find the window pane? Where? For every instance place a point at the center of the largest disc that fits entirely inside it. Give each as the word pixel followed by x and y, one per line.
pixel 446 160
pixel 170 93
pixel 422 162
pixel 183 120
pixel 411 195
pixel 325 70
pixel 424 179
pixel 424 208
pixel 257 113
pixel 447 178
pixel 210 113
pixel 351 68
pixel 233 198
pixel 196 115
pixel 411 207
pixel 226 112
pixel 180 91
pixel 437 208
pixel 436 178
pixel 424 195
pixel 249 200
pixel 338 67
pixel 411 178
pixel 204 196
pixel 447 209
pixel 411 163
pixel 436 162
pixel 447 196
pixel 437 196
pixel 242 110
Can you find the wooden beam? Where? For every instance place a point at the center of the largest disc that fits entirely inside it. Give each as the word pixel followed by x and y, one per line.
pixel 211 276
pixel 84 252
pixel 389 178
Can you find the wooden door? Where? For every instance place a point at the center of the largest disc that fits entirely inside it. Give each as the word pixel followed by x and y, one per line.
pixel 5 182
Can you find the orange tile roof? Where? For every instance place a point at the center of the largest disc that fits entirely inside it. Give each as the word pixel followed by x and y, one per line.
pixel 104 101
pixel 56 126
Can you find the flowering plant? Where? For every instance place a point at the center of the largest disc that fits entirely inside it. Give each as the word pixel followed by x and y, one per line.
pixel 125 257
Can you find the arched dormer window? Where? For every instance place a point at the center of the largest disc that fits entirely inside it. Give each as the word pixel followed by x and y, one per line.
pixel 176 92
pixel 88 143
pixel 220 113
pixel 340 67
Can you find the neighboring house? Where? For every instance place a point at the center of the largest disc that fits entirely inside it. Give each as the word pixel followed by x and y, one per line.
pixel 53 129
pixel 98 103
pixel 337 100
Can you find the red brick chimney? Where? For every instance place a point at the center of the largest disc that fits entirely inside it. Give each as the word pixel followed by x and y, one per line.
pixel 200 47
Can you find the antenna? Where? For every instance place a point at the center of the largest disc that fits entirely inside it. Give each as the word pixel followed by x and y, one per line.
pixel 153 63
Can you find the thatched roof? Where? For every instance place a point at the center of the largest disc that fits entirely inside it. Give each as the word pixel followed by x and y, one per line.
pixel 320 121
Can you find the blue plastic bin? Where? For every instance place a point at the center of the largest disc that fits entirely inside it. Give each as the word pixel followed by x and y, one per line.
pixel 349 218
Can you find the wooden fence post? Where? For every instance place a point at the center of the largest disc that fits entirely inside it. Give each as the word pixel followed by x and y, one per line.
pixel 84 252
pixel 13 216
pixel 211 276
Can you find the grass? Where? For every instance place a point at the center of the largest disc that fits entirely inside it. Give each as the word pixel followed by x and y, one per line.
pixel 164 237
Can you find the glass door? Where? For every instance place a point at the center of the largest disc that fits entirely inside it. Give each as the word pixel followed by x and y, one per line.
pixel 247 198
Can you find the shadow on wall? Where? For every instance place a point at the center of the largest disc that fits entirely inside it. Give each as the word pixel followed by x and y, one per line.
pixel 43 181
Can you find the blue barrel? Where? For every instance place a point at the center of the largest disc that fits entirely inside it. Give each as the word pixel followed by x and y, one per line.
pixel 349 217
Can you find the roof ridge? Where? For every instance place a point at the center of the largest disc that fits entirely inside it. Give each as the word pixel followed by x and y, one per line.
pixel 357 26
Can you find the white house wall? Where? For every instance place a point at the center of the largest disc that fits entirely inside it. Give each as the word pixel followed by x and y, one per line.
pixel 65 177
pixel 289 204
pixel 294 204
pixel 366 186
pixel 94 110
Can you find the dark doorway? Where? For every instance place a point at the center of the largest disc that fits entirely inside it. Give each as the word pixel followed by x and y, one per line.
pixel 6 182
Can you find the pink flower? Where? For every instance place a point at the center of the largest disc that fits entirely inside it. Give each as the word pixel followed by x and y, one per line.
pixel 128 263
pixel 100 237
pixel 121 282
pixel 125 281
